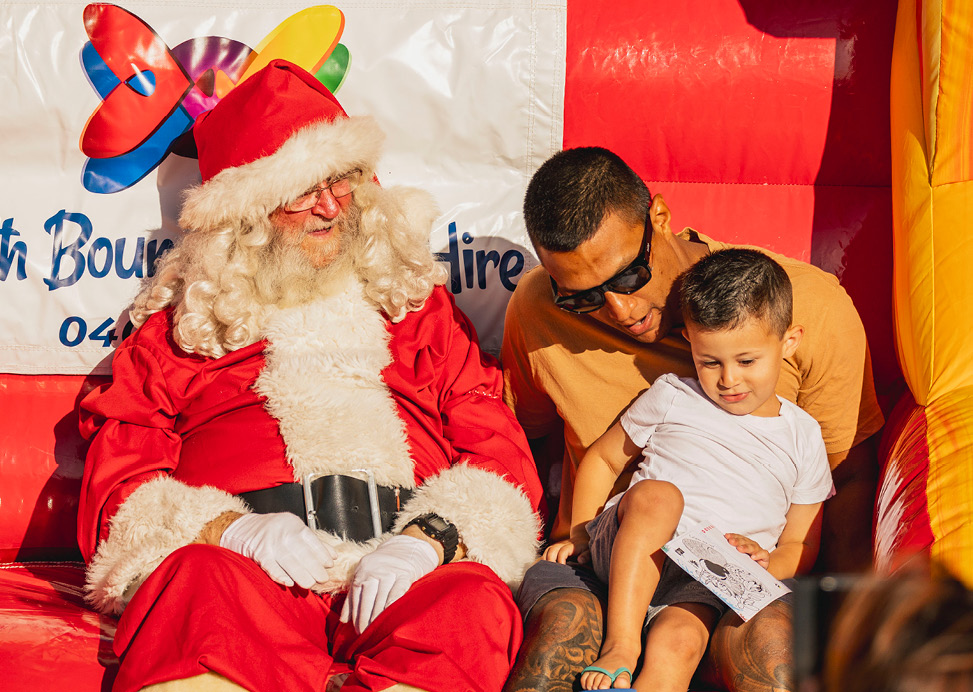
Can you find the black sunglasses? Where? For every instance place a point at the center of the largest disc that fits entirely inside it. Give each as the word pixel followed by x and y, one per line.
pixel 629 280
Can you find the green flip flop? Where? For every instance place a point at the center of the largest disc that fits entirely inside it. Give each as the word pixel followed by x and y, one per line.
pixel 611 676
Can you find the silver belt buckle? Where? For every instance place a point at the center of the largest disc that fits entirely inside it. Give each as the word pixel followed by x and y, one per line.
pixel 373 508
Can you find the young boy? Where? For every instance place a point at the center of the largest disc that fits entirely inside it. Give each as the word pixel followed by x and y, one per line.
pixel 724 448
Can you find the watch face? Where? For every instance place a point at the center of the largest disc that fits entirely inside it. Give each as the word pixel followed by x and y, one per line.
pixel 436 523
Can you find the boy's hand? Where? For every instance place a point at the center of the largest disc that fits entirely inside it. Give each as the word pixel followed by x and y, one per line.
pixel 749 547
pixel 562 550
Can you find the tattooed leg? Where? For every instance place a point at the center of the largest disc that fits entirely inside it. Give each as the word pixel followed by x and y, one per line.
pixel 752 656
pixel 562 635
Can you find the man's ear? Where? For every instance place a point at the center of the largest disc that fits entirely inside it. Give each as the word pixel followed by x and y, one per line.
pixel 659 215
pixel 792 339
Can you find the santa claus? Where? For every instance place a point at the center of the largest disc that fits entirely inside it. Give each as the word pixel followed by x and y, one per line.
pixel 302 475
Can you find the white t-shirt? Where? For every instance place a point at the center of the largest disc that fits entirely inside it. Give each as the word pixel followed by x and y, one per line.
pixel 740 472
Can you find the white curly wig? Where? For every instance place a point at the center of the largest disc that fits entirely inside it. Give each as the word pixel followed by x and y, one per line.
pixel 223 281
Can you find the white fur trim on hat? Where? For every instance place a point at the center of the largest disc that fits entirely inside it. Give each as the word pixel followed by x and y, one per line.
pixel 310 156
pixel 493 516
pixel 159 517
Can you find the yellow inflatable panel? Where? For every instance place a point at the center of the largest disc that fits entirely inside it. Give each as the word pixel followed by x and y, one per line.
pixel 932 193
pixel 949 490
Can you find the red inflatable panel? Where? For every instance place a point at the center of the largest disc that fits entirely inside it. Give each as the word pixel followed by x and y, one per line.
pixel 760 122
pixel 41 461
pixel 902 524
pixel 48 639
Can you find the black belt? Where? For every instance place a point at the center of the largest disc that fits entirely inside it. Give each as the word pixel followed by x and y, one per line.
pixel 350 507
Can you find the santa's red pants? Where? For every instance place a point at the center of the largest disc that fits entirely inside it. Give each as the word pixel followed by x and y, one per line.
pixel 209 609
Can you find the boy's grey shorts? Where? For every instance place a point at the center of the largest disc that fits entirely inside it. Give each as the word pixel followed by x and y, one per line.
pixel 675 585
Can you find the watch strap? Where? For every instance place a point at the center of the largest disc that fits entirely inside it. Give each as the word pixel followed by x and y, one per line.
pixel 439 530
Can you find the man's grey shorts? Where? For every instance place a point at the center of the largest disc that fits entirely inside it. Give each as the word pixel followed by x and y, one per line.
pixel 675 585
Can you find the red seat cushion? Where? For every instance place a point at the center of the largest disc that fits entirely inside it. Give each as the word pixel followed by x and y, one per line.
pixel 49 638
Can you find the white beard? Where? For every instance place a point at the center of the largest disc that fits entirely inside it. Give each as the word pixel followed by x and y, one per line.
pixel 286 277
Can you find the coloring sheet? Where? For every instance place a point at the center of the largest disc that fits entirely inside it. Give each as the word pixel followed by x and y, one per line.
pixel 739 582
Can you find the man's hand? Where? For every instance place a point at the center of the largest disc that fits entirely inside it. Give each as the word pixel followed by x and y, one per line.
pixel 562 550
pixel 283 545
pixel 384 575
pixel 749 547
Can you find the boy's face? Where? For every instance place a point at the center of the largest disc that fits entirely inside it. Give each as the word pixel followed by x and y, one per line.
pixel 738 368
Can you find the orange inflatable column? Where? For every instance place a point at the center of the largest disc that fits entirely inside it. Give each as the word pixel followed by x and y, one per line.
pixel 932 193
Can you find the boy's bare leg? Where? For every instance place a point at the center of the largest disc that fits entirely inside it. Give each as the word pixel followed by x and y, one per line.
pixel 647 514
pixel 674 647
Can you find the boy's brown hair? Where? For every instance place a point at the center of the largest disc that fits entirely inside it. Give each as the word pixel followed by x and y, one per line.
pixel 728 287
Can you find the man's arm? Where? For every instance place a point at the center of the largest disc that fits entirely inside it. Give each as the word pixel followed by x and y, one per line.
pixel 846 534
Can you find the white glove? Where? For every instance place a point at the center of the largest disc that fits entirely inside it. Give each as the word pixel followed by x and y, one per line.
pixel 283 545
pixel 384 575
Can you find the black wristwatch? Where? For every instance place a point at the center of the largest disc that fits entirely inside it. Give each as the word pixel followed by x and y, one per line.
pixel 439 530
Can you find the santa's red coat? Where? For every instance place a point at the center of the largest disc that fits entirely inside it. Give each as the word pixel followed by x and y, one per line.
pixel 198 421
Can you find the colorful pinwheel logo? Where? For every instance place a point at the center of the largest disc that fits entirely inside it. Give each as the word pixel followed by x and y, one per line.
pixel 152 94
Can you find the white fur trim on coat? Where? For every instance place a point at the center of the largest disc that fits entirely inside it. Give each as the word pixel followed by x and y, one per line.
pixel 493 516
pixel 159 517
pixel 323 383
pixel 311 155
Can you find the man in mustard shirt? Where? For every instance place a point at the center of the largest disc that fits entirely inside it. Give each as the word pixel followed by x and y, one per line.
pixel 590 329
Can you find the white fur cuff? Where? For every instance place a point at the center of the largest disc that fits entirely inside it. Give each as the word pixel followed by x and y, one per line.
pixel 493 516
pixel 161 516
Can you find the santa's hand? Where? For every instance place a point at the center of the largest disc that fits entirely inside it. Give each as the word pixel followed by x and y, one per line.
pixel 283 545
pixel 384 575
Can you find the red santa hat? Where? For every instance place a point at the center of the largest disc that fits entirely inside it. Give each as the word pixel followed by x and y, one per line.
pixel 272 137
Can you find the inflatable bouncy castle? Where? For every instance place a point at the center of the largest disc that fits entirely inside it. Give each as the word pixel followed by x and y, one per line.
pixel 837 132
pixel 925 503
pixel 765 123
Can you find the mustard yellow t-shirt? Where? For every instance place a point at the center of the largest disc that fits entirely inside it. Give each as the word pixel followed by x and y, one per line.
pixel 559 366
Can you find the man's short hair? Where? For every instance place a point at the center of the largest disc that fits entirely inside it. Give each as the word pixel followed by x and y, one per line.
pixel 728 287
pixel 574 191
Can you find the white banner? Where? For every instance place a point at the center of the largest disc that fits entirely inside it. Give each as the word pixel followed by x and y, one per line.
pixel 470 96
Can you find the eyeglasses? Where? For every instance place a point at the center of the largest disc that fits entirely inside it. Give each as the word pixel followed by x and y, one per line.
pixel 629 280
pixel 339 188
